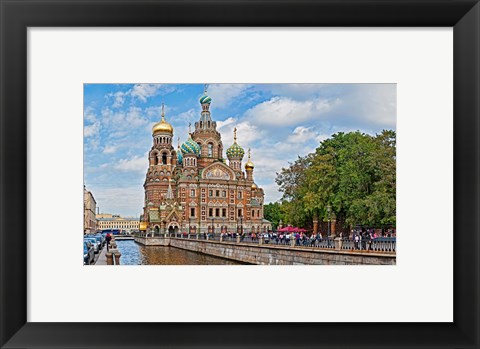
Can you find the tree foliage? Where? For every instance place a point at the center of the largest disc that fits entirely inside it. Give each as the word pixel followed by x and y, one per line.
pixel 353 173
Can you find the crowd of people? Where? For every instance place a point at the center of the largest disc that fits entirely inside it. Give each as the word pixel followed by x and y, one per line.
pixel 362 238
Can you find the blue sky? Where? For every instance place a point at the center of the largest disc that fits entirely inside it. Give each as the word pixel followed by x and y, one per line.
pixel 278 122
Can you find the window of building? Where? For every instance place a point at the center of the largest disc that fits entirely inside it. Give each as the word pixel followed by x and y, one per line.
pixel 217 212
pixel 224 194
pixel 217 192
pixel 164 158
pixel 192 193
pixel 210 150
pixel 210 212
pixel 239 194
pixel 253 213
pixel 240 213
pixel 224 212
pixel 192 212
pixel 210 193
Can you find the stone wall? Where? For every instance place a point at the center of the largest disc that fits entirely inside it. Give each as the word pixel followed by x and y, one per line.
pixel 272 254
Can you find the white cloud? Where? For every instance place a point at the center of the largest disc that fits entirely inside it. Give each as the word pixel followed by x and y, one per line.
pixel 135 164
pixel 144 91
pixel 89 114
pixel 118 98
pixel 126 201
pixel 301 134
pixel 247 133
pixel 91 130
pixel 123 120
pixel 223 94
pixel 109 149
pixel 283 111
pixel 190 115
pixel 223 124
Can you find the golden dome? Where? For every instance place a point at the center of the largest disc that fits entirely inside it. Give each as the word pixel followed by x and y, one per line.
pixel 249 166
pixel 162 126
pixel 254 186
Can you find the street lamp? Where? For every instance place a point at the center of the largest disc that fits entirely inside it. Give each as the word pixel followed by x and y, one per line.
pixel 241 225
pixel 329 209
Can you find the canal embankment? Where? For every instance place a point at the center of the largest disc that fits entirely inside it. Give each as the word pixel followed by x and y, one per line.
pixel 272 254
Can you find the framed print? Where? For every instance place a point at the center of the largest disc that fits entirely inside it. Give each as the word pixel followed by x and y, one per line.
pixel 94 96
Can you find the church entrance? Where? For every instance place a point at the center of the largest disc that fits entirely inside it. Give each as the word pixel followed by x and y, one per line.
pixel 156 230
pixel 173 228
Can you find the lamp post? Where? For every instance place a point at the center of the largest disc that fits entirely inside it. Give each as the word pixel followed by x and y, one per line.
pixel 329 209
pixel 241 225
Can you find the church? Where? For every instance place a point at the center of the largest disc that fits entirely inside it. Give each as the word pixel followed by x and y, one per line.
pixel 194 189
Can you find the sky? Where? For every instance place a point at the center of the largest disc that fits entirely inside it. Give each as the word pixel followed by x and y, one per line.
pixel 279 122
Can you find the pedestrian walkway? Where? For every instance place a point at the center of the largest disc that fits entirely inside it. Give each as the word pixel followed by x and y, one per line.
pixel 102 258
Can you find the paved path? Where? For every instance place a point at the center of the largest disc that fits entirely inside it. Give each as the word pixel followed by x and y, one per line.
pixel 102 258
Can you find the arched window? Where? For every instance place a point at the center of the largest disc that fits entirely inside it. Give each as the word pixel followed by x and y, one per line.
pixel 219 151
pixel 253 213
pixel 210 150
pixel 164 158
pixel 208 124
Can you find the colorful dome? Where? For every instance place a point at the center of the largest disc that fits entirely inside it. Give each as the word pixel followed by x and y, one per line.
pixel 235 151
pixel 190 147
pixel 179 157
pixel 205 99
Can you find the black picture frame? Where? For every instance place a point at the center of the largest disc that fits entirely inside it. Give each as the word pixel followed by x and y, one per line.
pixel 17 15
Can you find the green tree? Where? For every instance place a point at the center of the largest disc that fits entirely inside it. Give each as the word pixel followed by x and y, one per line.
pixel 353 172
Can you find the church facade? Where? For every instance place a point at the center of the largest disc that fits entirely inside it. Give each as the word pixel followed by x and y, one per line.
pixel 194 189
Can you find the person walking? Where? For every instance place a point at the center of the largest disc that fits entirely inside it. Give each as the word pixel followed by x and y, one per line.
pixel 108 238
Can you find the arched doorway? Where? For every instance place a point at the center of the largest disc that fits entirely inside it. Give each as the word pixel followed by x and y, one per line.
pixel 156 230
pixel 173 228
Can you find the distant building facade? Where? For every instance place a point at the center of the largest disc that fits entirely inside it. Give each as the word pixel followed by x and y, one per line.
pixel 193 189
pixel 107 221
pixel 89 209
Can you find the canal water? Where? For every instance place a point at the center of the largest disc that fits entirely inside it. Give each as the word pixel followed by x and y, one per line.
pixel 136 254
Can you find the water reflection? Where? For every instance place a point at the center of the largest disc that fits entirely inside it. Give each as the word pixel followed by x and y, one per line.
pixel 136 254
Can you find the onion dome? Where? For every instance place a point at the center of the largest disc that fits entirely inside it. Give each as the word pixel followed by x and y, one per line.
pixel 205 99
pixel 235 151
pixel 190 147
pixel 179 152
pixel 254 186
pixel 162 126
pixel 249 165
